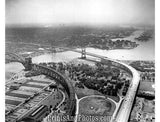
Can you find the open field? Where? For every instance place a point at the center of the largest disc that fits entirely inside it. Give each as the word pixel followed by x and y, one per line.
pixel 96 106
pixel 146 86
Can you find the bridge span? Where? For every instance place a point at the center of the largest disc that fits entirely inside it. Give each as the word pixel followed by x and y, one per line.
pixel 14 57
pixel 126 106
pixel 64 81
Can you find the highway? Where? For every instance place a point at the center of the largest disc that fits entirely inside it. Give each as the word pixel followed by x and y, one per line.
pixel 126 106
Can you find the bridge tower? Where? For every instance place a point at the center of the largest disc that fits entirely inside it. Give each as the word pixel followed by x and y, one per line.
pixel 54 50
pixel 83 56
pixel 28 63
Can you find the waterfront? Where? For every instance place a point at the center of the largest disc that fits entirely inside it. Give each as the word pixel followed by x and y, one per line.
pixel 12 68
pixel 67 56
pixel 82 58
pixel 145 51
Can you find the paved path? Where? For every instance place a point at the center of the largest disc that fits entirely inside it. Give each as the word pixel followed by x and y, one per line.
pixel 126 106
pixel 78 101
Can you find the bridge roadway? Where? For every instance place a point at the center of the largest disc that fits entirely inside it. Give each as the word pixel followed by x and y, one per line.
pixel 126 106
pixel 63 81
pixel 15 57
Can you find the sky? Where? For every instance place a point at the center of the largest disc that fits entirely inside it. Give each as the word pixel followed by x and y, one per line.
pixel 50 12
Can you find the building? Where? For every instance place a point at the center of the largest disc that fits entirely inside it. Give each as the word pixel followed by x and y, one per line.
pixel 26 101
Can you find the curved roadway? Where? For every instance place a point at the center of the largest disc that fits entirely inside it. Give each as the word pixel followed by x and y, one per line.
pixel 78 101
pixel 126 106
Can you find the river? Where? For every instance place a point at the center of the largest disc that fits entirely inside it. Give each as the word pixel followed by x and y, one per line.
pixel 145 51
pixel 12 68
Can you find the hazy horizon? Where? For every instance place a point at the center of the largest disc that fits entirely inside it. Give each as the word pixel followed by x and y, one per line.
pixel 77 12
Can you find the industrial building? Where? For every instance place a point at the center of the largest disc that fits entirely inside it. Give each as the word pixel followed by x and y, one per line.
pixel 30 101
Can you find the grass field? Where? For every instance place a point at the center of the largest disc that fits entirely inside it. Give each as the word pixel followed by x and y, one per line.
pixel 146 86
pixel 82 92
pixel 96 106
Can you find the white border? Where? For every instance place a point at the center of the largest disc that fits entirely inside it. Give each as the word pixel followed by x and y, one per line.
pixel 2 60
pixel 157 60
